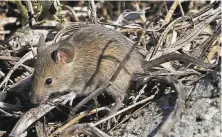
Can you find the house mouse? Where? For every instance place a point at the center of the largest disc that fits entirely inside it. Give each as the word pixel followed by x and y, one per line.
pixel 85 61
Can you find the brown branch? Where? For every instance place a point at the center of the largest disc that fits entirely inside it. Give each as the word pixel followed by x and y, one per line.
pixel 190 35
pixel 93 12
pixel 34 114
pixel 76 119
pixel 9 58
pixel 87 129
pixel 171 11
pixel 166 31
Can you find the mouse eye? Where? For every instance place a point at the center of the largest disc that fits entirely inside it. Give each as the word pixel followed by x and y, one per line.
pixel 48 81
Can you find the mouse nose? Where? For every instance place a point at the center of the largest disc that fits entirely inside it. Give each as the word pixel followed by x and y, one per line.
pixel 36 100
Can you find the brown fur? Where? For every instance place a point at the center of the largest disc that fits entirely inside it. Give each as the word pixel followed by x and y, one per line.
pixel 98 51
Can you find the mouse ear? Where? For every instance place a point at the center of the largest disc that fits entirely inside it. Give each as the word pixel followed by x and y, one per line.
pixel 41 42
pixel 65 53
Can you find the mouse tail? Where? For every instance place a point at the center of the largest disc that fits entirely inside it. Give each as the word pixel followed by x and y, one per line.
pixel 147 65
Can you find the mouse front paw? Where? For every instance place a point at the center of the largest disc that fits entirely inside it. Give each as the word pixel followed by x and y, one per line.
pixel 69 99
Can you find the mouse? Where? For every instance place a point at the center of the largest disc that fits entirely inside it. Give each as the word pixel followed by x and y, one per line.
pixel 85 61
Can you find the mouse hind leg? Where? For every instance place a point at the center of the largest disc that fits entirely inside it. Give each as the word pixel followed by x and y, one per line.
pixel 118 91
pixel 119 88
pixel 118 98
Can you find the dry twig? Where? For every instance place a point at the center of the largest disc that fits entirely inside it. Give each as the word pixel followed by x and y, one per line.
pixel 26 57
pixel 93 12
pixel 171 11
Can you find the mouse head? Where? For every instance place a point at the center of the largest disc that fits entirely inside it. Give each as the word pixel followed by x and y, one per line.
pixel 53 67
